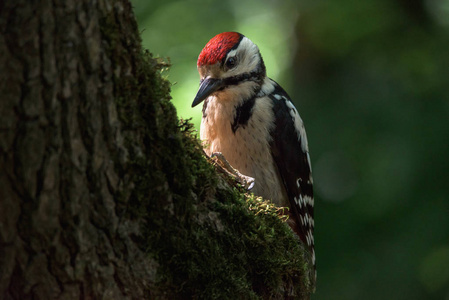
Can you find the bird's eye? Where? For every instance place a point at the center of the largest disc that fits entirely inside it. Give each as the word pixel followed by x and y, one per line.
pixel 231 62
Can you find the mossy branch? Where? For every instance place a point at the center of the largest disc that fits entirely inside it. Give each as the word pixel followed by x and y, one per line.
pixel 105 193
pixel 209 238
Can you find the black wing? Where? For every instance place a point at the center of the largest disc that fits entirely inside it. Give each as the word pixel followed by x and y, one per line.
pixel 290 152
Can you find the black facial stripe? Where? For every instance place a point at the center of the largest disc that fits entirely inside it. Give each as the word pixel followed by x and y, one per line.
pixel 243 113
pixel 235 80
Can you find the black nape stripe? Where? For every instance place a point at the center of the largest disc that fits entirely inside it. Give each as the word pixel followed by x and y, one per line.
pixel 242 113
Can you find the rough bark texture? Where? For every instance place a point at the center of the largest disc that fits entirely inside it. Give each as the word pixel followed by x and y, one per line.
pixel 102 193
pixel 61 236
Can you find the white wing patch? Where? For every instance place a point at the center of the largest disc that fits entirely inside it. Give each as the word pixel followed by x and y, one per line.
pixel 310 165
pixel 308 200
pixel 299 126
pixel 267 88
pixel 299 200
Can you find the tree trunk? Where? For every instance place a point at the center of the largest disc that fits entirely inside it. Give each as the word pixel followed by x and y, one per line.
pixel 102 193
pixel 61 235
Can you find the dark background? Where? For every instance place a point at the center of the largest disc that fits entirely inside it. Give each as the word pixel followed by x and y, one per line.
pixel 370 80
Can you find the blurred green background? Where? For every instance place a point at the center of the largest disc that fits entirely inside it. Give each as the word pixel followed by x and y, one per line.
pixel 371 82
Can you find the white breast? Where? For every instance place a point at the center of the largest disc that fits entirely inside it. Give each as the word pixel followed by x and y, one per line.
pixel 248 149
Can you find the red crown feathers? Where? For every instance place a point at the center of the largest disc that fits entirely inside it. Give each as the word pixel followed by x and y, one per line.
pixel 217 48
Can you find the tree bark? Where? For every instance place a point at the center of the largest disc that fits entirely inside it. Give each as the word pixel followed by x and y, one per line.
pixel 102 193
pixel 61 236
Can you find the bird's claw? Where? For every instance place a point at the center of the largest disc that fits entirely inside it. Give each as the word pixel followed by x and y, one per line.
pixel 246 181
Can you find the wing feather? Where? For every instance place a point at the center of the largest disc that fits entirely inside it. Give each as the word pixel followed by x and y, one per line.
pixel 290 152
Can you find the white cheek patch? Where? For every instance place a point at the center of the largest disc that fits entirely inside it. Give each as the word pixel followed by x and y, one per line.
pixel 231 53
pixel 248 57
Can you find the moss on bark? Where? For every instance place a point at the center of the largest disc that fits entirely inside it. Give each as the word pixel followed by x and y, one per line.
pixel 210 240
pixel 104 192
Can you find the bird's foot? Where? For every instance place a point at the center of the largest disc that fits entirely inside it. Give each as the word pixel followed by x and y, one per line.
pixel 221 162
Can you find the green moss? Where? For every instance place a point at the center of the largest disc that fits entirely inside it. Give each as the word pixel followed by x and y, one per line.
pixel 211 241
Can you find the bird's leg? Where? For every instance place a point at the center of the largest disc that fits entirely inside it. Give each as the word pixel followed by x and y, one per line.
pixel 220 161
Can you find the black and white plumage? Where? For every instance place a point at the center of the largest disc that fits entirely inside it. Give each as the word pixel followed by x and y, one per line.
pixel 251 120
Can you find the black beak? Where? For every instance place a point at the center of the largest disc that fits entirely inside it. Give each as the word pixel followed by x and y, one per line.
pixel 207 87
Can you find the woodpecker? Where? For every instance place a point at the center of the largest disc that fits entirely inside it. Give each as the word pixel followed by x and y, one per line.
pixel 251 121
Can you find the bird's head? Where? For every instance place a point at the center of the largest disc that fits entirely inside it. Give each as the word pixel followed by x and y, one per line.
pixel 228 60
